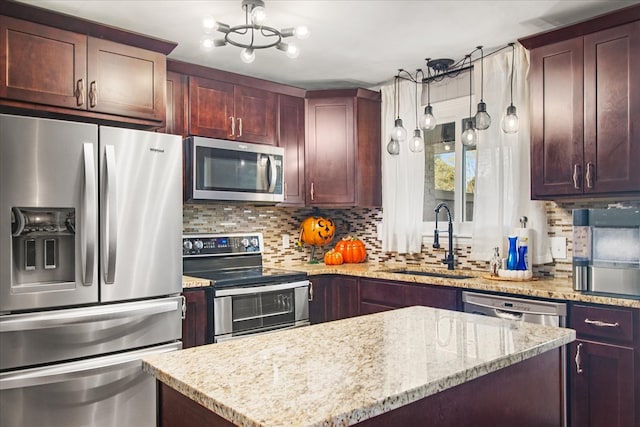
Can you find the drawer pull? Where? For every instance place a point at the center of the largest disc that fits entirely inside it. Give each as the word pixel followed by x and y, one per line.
pixel 578 359
pixel 601 323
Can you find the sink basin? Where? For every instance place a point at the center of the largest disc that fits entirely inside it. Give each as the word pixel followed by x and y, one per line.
pixel 431 274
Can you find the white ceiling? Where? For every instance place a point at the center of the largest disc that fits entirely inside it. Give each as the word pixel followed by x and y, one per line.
pixel 353 42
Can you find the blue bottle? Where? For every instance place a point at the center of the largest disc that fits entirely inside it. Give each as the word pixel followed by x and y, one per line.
pixel 522 258
pixel 512 255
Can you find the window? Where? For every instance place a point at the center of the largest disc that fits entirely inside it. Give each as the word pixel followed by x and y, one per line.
pixel 450 167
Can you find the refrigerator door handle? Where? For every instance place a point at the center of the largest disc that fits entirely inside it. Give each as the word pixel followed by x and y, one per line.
pixel 34 321
pixel 81 369
pixel 90 214
pixel 110 223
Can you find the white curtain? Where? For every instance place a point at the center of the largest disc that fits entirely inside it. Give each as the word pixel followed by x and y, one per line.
pixel 502 190
pixel 402 176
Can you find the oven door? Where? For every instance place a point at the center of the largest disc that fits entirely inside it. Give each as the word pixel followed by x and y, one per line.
pixel 257 309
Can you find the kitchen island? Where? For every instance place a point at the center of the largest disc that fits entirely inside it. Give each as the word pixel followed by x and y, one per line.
pixel 401 367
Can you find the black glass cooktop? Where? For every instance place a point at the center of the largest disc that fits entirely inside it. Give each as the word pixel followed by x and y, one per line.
pixel 248 276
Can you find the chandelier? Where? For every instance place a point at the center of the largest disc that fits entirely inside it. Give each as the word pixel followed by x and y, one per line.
pixel 251 35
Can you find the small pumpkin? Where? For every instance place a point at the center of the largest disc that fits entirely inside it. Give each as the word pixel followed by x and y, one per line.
pixel 333 258
pixel 317 231
pixel 352 250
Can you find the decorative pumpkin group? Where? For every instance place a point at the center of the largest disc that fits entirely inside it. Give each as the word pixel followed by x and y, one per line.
pixel 348 250
pixel 317 231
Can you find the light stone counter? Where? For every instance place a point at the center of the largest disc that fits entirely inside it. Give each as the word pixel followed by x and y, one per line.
pixel 557 289
pixel 339 373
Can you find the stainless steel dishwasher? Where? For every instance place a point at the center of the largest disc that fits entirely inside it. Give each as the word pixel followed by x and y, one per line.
pixel 526 310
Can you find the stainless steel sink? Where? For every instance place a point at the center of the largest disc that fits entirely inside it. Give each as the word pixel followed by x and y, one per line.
pixel 432 274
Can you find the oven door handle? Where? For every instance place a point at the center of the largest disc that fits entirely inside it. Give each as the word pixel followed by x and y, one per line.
pixel 229 292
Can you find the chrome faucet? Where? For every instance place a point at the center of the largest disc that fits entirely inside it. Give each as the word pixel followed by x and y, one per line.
pixel 448 259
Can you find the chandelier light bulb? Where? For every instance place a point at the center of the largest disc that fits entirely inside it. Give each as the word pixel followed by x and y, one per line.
pixel 258 15
pixel 510 120
pixel 206 43
pixel 302 32
pixel 393 147
pixel 247 55
pixel 427 120
pixel 470 135
pixel 293 51
pixel 399 133
pixel 416 144
pixel 483 119
pixel 209 25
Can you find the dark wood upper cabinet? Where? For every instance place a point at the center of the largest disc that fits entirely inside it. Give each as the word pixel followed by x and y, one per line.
pixel 342 149
pixel 585 99
pixel 177 104
pixel 224 110
pixel 47 68
pixel 291 138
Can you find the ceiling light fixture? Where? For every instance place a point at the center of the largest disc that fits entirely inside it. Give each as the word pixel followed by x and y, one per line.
pixel 510 120
pixel 470 134
pixel 399 133
pixel 416 144
pixel 253 34
pixel 483 119
pixel 393 147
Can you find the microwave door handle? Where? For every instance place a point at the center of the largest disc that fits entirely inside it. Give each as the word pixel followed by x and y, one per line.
pixel 90 214
pixel 272 174
pixel 110 224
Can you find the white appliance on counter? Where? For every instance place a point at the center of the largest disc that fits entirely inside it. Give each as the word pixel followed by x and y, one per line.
pixel 90 270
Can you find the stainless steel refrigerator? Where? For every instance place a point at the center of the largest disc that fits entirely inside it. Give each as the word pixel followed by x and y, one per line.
pixel 90 270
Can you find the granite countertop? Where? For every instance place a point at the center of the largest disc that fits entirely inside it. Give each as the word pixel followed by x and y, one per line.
pixel 556 289
pixel 342 372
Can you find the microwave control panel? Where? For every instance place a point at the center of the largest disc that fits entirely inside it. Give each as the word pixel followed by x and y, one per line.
pixel 218 244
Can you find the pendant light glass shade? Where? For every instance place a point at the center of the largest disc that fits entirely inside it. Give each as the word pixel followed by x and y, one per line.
pixel 428 121
pixel 247 55
pixel 470 135
pixel 483 119
pixel 416 144
pixel 399 133
pixel 393 147
pixel 510 120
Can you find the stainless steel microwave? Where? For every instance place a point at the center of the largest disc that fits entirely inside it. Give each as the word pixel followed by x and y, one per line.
pixel 606 251
pixel 220 170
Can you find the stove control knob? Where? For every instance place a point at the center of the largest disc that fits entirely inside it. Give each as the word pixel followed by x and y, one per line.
pixel 245 243
pixel 198 245
pixel 254 242
pixel 187 245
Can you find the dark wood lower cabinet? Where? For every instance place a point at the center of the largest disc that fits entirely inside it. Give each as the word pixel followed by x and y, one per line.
pixel 343 297
pixel 196 326
pixel 526 394
pixel 602 385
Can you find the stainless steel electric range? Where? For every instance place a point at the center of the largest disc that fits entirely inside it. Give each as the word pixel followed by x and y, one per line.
pixel 248 298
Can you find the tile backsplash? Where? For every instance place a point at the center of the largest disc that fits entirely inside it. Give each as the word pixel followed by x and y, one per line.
pixel 274 222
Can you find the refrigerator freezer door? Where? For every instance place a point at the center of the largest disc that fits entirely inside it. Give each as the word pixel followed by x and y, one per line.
pixel 51 336
pixel 48 213
pixel 141 214
pixel 100 392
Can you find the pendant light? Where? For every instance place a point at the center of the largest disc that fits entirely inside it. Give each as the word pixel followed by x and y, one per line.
pixel 510 120
pixel 483 119
pixel 469 134
pixel 428 121
pixel 393 147
pixel 416 144
pixel 399 133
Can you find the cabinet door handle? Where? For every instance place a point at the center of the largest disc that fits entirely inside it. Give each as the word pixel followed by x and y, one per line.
pixel 233 125
pixel 578 359
pixel 310 291
pixel 576 176
pixel 93 94
pixel 80 92
pixel 239 126
pixel 312 191
pixel 184 307
pixel 589 175
pixel 601 324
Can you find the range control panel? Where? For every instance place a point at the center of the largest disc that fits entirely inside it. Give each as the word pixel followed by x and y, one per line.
pixel 221 244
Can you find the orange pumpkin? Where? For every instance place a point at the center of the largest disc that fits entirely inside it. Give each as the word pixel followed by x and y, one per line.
pixel 352 250
pixel 317 231
pixel 333 258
